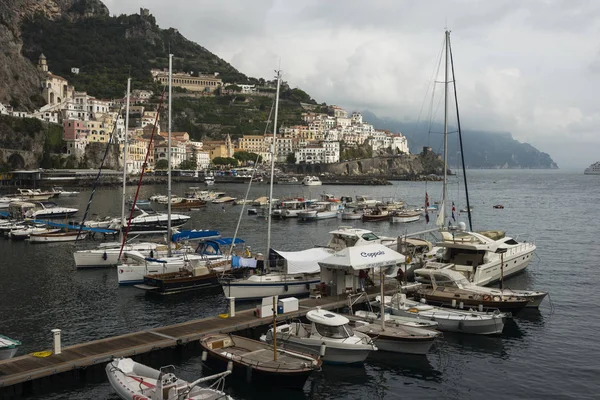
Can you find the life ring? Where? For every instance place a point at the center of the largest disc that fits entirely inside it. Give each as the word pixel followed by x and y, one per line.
pixel 487 297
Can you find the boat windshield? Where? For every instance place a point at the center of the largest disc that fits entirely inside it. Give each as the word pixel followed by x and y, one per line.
pixel 335 332
pixel 370 236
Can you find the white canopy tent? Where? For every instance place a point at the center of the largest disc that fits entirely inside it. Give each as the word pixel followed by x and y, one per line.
pixel 363 257
pixel 305 261
pixel 340 270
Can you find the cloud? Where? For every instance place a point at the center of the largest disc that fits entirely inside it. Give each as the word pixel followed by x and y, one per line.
pixel 530 68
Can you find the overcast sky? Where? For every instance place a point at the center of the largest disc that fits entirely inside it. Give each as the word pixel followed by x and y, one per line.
pixel 531 68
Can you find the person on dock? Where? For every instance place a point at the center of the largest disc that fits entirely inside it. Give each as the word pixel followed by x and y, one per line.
pixel 362 276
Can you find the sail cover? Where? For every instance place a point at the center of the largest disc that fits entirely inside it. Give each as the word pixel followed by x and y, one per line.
pixel 305 261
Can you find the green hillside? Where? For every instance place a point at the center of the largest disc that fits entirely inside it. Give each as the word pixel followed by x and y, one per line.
pixel 106 49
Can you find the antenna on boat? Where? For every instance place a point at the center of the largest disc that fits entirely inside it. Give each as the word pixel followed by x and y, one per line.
pixel 126 139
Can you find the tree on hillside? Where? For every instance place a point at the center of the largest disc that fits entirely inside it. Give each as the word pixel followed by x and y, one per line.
pixel 234 88
pixel 291 158
pixel 188 165
pixel 161 164
pixel 244 157
pixel 225 161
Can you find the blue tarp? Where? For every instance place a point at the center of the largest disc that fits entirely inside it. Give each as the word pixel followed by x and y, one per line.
pixel 155 260
pixel 226 241
pixel 193 235
pixel 73 227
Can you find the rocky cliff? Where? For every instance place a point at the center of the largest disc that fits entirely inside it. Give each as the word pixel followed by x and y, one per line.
pixel 20 81
pixel 405 166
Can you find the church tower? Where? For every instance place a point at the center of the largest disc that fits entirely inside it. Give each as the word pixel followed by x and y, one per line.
pixel 42 66
pixel 229 146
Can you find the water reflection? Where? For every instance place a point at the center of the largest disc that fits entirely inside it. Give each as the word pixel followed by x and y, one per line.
pixel 409 365
pixel 475 344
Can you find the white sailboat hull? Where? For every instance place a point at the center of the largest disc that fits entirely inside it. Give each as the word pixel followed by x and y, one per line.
pixel 257 287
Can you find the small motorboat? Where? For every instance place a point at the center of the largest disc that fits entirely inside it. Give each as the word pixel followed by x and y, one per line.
pixel 394 336
pixel 8 347
pixel 465 209
pixel 64 193
pixel 450 320
pixel 376 215
pixel 405 216
pixel 498 206
pixel 256 361
pixel 342 345
pixel 352 214
pixel 53 237
pixel 134 381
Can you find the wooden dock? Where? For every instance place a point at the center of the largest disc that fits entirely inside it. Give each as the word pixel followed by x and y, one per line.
pixel 27 368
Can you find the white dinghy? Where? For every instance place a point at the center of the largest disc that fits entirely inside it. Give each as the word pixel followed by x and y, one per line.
pixel 132 380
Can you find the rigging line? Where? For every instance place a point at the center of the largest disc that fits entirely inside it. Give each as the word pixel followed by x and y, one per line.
pixel 462 153
pixel 137 191
pixel 431 83
pixel 250 184
pixel 87 209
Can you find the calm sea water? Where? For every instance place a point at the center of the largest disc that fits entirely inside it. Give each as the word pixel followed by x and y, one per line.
pixel 552 353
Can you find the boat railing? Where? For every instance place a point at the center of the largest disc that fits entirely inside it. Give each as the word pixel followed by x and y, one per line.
pixel 525 238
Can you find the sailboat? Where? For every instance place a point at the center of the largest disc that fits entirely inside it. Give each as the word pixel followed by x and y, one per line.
pixel 296 272
pixel 482 258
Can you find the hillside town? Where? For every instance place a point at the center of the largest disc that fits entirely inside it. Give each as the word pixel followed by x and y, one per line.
pixel 86 119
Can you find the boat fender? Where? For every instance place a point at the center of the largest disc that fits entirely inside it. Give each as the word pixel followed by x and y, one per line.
pixel 229 366
pixel 204 355
pixel 322 350
pixel 307 286
pixel 461 325
pixel 104 256
pixel 285 287
pixel 496 298
pixel 487 297
pixel 248 374
pixel 151 253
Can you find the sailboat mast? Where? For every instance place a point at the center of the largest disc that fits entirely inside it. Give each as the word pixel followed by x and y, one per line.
pixel 278 76
pixel 462 151
pixel 444 189
pixel 169 158
pixel 126 139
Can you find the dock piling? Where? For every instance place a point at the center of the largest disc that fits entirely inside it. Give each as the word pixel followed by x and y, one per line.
pixel 231 306
pixel 56 338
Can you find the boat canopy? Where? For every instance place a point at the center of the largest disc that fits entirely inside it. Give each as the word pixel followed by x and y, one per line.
pixel 305 261
pixel 193 235
pixel 325 317
pixel 213 247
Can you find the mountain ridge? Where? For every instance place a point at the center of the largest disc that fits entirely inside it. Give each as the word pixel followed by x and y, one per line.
pixel 483 149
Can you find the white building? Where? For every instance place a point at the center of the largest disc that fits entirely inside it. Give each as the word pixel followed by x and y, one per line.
pixel 323 153
pixel 76 147
pixel 283 147
pixel 48 116
pixel 178 152
pixel 3 109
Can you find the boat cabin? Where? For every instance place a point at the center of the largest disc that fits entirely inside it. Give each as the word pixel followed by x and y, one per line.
pixel 19 209
pixel 347 236
pixel 328 324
